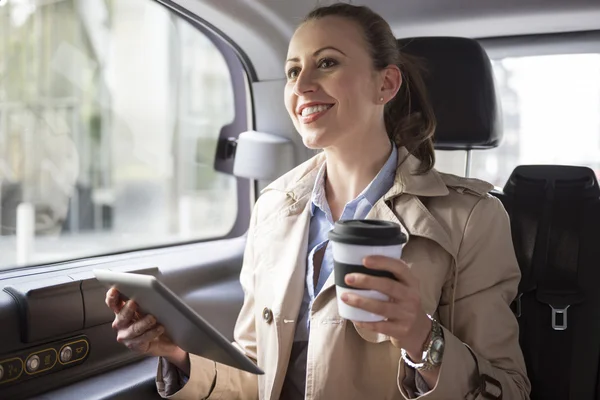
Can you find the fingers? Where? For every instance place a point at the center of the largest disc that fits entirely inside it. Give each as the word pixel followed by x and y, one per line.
pixel 113 300
pixel 399 268
pixel 385 327
pixel 136 329
pixel 126 316
pixel 386 309
pixel 143 342
pixel 390 287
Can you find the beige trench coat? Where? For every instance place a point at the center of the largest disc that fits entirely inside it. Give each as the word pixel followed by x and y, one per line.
pixel 460 249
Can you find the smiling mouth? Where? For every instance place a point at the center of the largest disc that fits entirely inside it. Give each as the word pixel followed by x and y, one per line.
pixel 315 109
pixel 312 113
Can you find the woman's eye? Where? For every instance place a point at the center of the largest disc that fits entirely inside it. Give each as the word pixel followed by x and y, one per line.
pixel 327 63
pixel 292 73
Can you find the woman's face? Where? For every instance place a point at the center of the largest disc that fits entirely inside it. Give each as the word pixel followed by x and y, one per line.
pixel 332 92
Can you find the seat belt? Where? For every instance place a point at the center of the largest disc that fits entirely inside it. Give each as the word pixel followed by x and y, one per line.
pixel 526 214
pixel 558 285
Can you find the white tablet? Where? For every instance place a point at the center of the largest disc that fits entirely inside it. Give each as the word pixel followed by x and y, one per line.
pixel 182 324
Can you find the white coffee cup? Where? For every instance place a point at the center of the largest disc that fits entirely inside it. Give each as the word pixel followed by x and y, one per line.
pixel 352 241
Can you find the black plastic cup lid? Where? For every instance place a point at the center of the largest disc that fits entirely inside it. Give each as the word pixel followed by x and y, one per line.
pixel 367 232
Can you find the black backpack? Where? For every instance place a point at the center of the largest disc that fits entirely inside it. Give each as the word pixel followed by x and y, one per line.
pixel 555 221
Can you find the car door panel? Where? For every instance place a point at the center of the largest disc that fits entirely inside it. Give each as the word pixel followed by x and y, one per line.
pixel 205 275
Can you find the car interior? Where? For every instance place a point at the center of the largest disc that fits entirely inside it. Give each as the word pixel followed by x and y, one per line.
pixel 136 136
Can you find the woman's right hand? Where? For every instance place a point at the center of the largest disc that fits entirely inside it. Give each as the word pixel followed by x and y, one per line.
pixel 141 333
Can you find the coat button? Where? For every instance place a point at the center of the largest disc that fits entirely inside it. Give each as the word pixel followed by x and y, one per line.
pixel 267 315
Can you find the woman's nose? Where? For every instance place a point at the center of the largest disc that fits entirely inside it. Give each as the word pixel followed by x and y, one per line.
pixel 305 83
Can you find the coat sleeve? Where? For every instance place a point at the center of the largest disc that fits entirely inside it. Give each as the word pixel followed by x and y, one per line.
pixel 210 380
pixel 483 352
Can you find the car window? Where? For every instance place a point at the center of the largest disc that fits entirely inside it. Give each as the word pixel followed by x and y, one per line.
pixel 551 115
pixel 110 113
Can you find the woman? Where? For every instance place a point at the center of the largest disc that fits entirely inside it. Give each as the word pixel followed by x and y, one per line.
pixel 350 93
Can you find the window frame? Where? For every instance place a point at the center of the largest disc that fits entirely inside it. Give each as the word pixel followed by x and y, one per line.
pixel 242 75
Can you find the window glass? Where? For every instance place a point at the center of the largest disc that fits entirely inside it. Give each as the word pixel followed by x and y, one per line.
pixel 110 112
pixel 551 112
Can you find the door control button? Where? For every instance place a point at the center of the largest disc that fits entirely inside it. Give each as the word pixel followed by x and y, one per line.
pixel 33 363
pixel 66 354
pixel 80 350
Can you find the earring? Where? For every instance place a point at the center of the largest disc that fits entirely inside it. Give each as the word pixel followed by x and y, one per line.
pixel 381 99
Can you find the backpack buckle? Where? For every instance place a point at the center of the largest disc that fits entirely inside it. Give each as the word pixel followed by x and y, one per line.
pixel 562 312
pixel 559 302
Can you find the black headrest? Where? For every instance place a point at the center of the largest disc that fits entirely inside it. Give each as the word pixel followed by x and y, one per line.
pixel 459 78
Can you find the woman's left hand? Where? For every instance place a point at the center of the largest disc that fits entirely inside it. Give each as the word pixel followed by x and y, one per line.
pixel 406 323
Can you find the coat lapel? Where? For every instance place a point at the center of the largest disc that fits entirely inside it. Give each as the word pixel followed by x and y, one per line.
pixel 420 222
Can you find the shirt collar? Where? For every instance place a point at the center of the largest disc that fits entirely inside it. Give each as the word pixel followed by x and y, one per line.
pixel 318 198
pixel 373 192
pixel 299 183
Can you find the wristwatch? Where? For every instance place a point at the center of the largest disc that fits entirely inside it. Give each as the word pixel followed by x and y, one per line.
pixel 433 351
